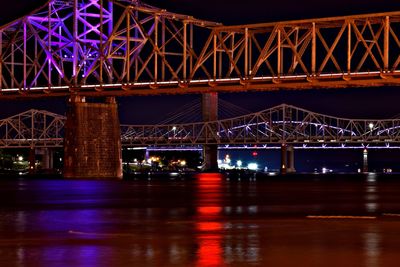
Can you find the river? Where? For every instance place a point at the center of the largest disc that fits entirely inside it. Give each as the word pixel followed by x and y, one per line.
pixel 208 220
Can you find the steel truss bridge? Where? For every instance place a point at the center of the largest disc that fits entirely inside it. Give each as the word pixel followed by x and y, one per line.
pixel 270 128
pixel 124 47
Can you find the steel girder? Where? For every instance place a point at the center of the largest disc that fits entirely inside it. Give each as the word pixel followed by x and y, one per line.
pixel 104 47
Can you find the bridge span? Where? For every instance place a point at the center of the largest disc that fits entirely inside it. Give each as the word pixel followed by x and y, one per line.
pixel 281 127
pixel 123 47
pixel 108 48
pixel 283 124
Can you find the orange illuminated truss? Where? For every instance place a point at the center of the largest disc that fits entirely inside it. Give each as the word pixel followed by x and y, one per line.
pixel 127 48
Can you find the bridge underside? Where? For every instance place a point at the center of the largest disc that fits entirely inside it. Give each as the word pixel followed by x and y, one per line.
pixel 92 147
pixel 206 87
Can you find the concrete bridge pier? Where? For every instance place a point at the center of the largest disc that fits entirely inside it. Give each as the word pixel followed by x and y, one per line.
pixel 290 160
pixel 287 159
pixel 32 160
pixel 47 156
pixel 210 113
pixel 92 145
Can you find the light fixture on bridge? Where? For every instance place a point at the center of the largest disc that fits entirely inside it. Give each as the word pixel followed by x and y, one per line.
pixel 371 126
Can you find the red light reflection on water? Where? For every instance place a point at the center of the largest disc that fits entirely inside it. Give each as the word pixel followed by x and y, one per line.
pixel 209 211
pixel 206 179
pixel 208 225
pixel 210 250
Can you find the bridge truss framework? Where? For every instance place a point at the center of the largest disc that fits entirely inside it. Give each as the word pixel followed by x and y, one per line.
pixel 267 129
pixel 122 47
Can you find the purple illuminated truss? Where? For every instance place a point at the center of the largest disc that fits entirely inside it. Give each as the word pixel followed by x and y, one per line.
pixel 60 44
pixel 77 43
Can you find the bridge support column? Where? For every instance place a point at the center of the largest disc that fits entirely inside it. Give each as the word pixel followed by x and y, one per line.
pixel 365 161
pixel 283 159
pixel 210 113
pixel 47 157
pixel 290 160
pixel 92 146
pixel 32 160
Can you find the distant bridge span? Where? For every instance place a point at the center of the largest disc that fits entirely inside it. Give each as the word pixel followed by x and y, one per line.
pixel 121 47
pixel 283 124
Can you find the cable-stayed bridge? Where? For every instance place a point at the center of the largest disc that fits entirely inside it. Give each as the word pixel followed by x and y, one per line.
pixel 283 124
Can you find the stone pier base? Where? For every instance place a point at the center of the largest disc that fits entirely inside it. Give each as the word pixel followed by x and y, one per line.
pixel 92 145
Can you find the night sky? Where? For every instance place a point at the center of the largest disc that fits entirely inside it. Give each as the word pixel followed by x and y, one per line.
pixel 355 103
pixel 254 11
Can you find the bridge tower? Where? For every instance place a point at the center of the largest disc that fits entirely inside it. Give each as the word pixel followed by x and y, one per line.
pixel 210 113
pixel 287 151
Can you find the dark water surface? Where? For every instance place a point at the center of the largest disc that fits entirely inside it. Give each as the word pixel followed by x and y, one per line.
pixel 209 221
